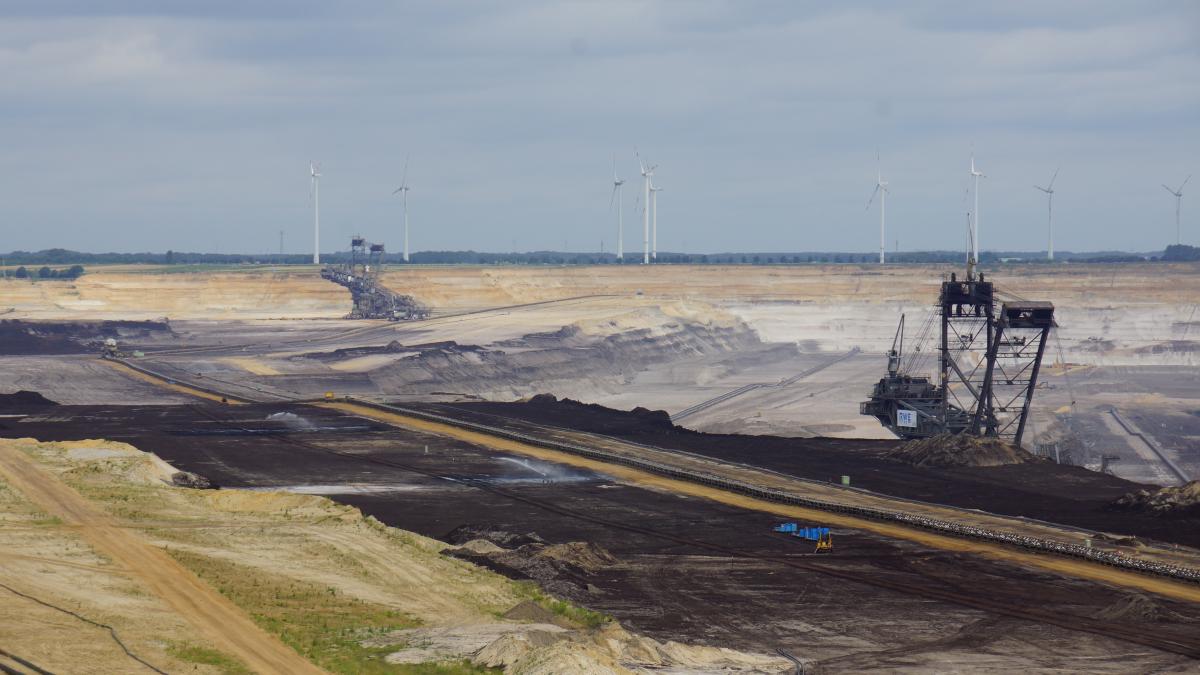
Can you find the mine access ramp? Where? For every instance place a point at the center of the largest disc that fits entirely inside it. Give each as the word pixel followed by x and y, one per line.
pixel 989 355
pixel 371 299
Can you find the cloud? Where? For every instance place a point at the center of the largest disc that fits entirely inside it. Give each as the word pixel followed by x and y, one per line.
pixel 765 118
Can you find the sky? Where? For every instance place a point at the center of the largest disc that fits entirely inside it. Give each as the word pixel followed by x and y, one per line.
pixel 154 125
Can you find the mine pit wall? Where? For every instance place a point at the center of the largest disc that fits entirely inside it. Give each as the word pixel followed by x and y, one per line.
pixel 127 292
pixel 570 363
pixel 1101 336
pixel 1146 311
pixel 1128 314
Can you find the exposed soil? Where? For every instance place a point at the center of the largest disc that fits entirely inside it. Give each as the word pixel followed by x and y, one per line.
pixel 563 358
pixel 1181 501
pixel 1058 493
pixel 682 568
pixel 25 337
pixel 393 347
pixel 212 614
pixel 24 400
pixel 950 450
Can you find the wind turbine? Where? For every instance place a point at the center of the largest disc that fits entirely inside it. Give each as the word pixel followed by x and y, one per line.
pixel 403 190
pixel 654 221
pixel 1049 190
pixel 314 170
pixel 1178 198
pixel 648 174
pixel 975 225
pixel 616 195
pixel 882 191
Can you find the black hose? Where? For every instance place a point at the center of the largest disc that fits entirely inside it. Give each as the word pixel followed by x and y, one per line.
pixel 111 631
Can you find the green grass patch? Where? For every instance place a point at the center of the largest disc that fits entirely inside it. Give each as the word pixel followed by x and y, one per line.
pixel 579 616
pixel 190 653
pixel 317 621
pixel 50 521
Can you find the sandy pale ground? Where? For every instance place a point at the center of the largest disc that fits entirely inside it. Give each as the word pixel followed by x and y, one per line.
pixel 210 613
pixel 99 547
pixel 1131 316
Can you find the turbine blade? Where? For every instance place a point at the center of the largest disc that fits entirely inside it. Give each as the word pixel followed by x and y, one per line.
pixel 404 180
pixel 1168 189
pixel 1051 186
pixel 613 198
pixel 872 199
pixel 1185 182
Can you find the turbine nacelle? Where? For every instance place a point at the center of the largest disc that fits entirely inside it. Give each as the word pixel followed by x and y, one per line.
pixel 1179 192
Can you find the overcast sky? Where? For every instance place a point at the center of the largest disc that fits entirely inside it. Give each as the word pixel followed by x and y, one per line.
pixel 158 125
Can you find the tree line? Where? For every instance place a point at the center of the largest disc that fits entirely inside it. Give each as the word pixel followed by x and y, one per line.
pixel 44 272
pixel 60 257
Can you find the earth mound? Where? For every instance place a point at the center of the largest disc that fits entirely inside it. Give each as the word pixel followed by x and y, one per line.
pixel 1138 608
pixel 1169 502
pixel 955 450
pixel 530 611
pixel 24 338
pixel 188 479
pixel 561 569
pixel 597 418
pixel 585 555
pixel 502 538
pixel 24 399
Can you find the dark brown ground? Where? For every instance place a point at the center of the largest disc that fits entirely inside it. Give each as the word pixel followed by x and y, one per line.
pixel 1058 493
pixel 687 569
pixel 19 337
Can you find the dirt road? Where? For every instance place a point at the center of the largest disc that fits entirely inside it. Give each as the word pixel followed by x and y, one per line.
pixel 209 612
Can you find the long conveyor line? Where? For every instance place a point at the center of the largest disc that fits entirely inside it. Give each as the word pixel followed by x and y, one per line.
pixel 1038 544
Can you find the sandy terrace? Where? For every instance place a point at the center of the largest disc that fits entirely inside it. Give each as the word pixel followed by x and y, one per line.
pixel 333 585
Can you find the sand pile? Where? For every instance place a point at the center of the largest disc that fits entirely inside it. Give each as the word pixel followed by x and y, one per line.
pixel 561 569
pixel 612 649
pixel 947 450
pixel 584 555
pixel 500 537
pixel 1181 501
pixel 105 457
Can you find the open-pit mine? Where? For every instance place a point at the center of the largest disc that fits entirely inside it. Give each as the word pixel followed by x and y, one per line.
pixel 593 469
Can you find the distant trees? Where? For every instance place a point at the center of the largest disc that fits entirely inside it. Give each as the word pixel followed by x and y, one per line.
pixel 46 272
pixel 1181 253
pixel 55 261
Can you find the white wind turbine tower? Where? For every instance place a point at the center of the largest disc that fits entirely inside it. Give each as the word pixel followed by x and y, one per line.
pixel 616 196
pixel 1049 190
pixel 1178 198
pixel 403 190
pixel 314 170
pixel 648 174
pixel 975 214
pixel 654 221
pixel 881 190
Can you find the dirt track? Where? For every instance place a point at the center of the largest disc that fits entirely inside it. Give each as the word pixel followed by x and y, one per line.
pixel 219 619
